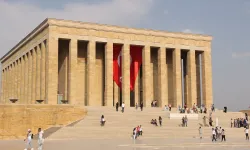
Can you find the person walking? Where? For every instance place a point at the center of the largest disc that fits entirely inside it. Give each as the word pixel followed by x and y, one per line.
pixel 200 133
pixel 160 120
pixel 223 135
pixel 213 135
pixel 232 122
pixel 28 140
pixel 40 139
pixel 123 107
pixel 117 106
pixel 246 133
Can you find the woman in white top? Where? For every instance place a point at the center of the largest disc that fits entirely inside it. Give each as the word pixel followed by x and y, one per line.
pixel 246 132
pixel 28 140
pixel 40 139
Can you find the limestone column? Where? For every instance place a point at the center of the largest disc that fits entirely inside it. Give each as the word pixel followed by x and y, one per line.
pixel 207 78
pixel 19 79
pixel 2 87
pixel 14 78
pixel 38 73
pixel 137 89
pixel 42 78
pixel 26 85
pixel 91 57
pixel 191 73
pixel 52 70
pixel 162 74
pixel 30 78
pixel 116 93
pixel 177 78
pixel 126 74
pixel 8 84
pixel 72 80
pixel 34 57
pixel 22 80
pixel 108 95
pixel 146 77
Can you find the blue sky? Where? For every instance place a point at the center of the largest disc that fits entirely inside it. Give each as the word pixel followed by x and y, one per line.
pixel 228 21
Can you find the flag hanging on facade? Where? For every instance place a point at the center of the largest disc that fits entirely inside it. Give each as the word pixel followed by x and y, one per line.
pixel 117 64
pixel 135 63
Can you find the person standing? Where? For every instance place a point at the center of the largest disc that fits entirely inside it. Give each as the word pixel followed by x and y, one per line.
pixel 169 107
pixel 141 105
pixel 123 107
pixel 160 120
pixel 223 135
pixel 40 139
pixel 246 132
pixel 28 140
pixel 200 132
pixel 140 130
pixel 117 106
pixel 213 135
pixel 186 121
pixel 136 106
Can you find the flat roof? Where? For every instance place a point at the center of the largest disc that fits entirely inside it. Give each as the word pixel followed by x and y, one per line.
pixel 96 26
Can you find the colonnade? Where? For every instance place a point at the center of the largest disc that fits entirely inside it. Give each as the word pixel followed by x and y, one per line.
pixel 24 77
pixel 34 75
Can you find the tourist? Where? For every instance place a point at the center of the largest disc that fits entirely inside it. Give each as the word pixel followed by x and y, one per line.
pixel 134 133
pixel 136 106
pixel 223 135
pixel 246 132
pixel 28 140
pixel 117 106
pixel 246 116
pixel 169 106
pixel 211 121
pixel 40 139
pixel 160 120
pixel 213 135
pixel 141 106
pixel 102 120
pixel 232 122
pixel 186 120
pixel 166 107
pixel 200 132
pixel 123 107
pixel 183 121
pixel 205 121
pixel 140 130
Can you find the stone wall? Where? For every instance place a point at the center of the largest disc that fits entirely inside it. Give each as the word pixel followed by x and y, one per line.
pixel 16 119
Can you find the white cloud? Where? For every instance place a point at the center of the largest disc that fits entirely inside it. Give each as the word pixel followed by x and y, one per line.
pixel 240 54
pixel 192 31
pixel 19 18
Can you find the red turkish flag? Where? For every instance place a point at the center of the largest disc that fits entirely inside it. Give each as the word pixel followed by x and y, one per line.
pixel 136 61
pixel 117 65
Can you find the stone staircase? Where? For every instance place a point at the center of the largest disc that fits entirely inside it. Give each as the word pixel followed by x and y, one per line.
pixel 120 125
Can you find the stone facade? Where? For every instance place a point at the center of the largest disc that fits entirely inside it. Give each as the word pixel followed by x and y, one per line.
pixel 74 59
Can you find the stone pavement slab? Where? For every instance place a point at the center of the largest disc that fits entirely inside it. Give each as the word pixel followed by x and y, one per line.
pixel 129 144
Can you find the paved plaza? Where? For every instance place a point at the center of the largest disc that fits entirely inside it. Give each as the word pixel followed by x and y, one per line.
pixel 129 144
